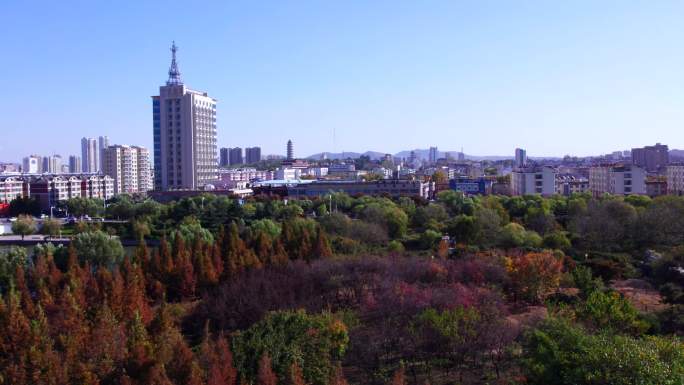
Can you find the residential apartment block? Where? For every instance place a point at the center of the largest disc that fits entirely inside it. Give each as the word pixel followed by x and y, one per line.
pixel 617 179
pixel 235 156
pixel 651 158
pixel 252 155
pixel 129 166
pixel 90 159
pixel 675 179
pixel 51 189
pixel 533 180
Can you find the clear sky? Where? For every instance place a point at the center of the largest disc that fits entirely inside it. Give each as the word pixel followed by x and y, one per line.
pixel 554 77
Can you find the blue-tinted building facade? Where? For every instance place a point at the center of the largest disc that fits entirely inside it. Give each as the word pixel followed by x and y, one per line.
pixel 156 127
pixel 470 185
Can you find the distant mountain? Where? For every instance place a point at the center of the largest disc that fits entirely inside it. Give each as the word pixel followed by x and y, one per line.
pixel 420 154
pixel 344 155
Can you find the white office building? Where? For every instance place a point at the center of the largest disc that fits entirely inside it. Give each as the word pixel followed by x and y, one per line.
pixel 184 123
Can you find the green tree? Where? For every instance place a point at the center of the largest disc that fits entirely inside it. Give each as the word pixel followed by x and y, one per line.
pixel 79 207
pixel 488 224
pixel 462 228
pixel 9 261
pixel 456 202
pixel 610 311
pixel 24 206
pixel 556 240
pixel 313 342
pixel 24 225
pixel 98 249
pixel 429 239
pixel 585 281
pixel 268 226
pixel 190 229
pixel 563 354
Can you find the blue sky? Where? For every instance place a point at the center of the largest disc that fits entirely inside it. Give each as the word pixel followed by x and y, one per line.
pixel 577 77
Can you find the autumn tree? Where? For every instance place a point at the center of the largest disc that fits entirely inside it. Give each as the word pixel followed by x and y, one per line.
pixel 398 378
pixel 534 274
pixel 266 376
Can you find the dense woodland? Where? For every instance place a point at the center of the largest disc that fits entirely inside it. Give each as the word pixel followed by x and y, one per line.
pixel 350 290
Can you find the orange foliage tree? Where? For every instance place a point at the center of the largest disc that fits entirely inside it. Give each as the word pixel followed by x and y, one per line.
pixel 534 274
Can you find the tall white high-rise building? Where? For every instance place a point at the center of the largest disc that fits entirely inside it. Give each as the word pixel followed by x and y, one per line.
pixel 89 155
pixel 184 127
pixel 102 143
pixel 129 166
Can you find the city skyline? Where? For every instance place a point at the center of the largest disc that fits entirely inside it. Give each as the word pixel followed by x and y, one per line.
pixel 326 78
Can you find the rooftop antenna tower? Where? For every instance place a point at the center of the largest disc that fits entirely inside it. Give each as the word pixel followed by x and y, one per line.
pixel 174 72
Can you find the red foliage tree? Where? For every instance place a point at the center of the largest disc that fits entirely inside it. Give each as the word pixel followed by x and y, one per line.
pixel 266 376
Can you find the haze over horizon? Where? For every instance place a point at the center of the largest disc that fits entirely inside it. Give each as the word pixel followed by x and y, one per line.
pixel 556 79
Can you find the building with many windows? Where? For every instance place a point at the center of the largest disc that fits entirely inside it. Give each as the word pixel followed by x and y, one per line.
pixel 301 188
pixel 50 189
pixel 129 166
pixel 90 160
pixel 675 179
pixel 224 159
pixel 533 180
pixel 651 158
pixel 571 184
pixel 32 164
pixel 433 155
pixel 12 187
pixel 184 130
pixel 102 143
pixel 252 155
pixel 52 164
pixel 235 156
pixel 617 179
pixel 74 164
pixel 520 158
